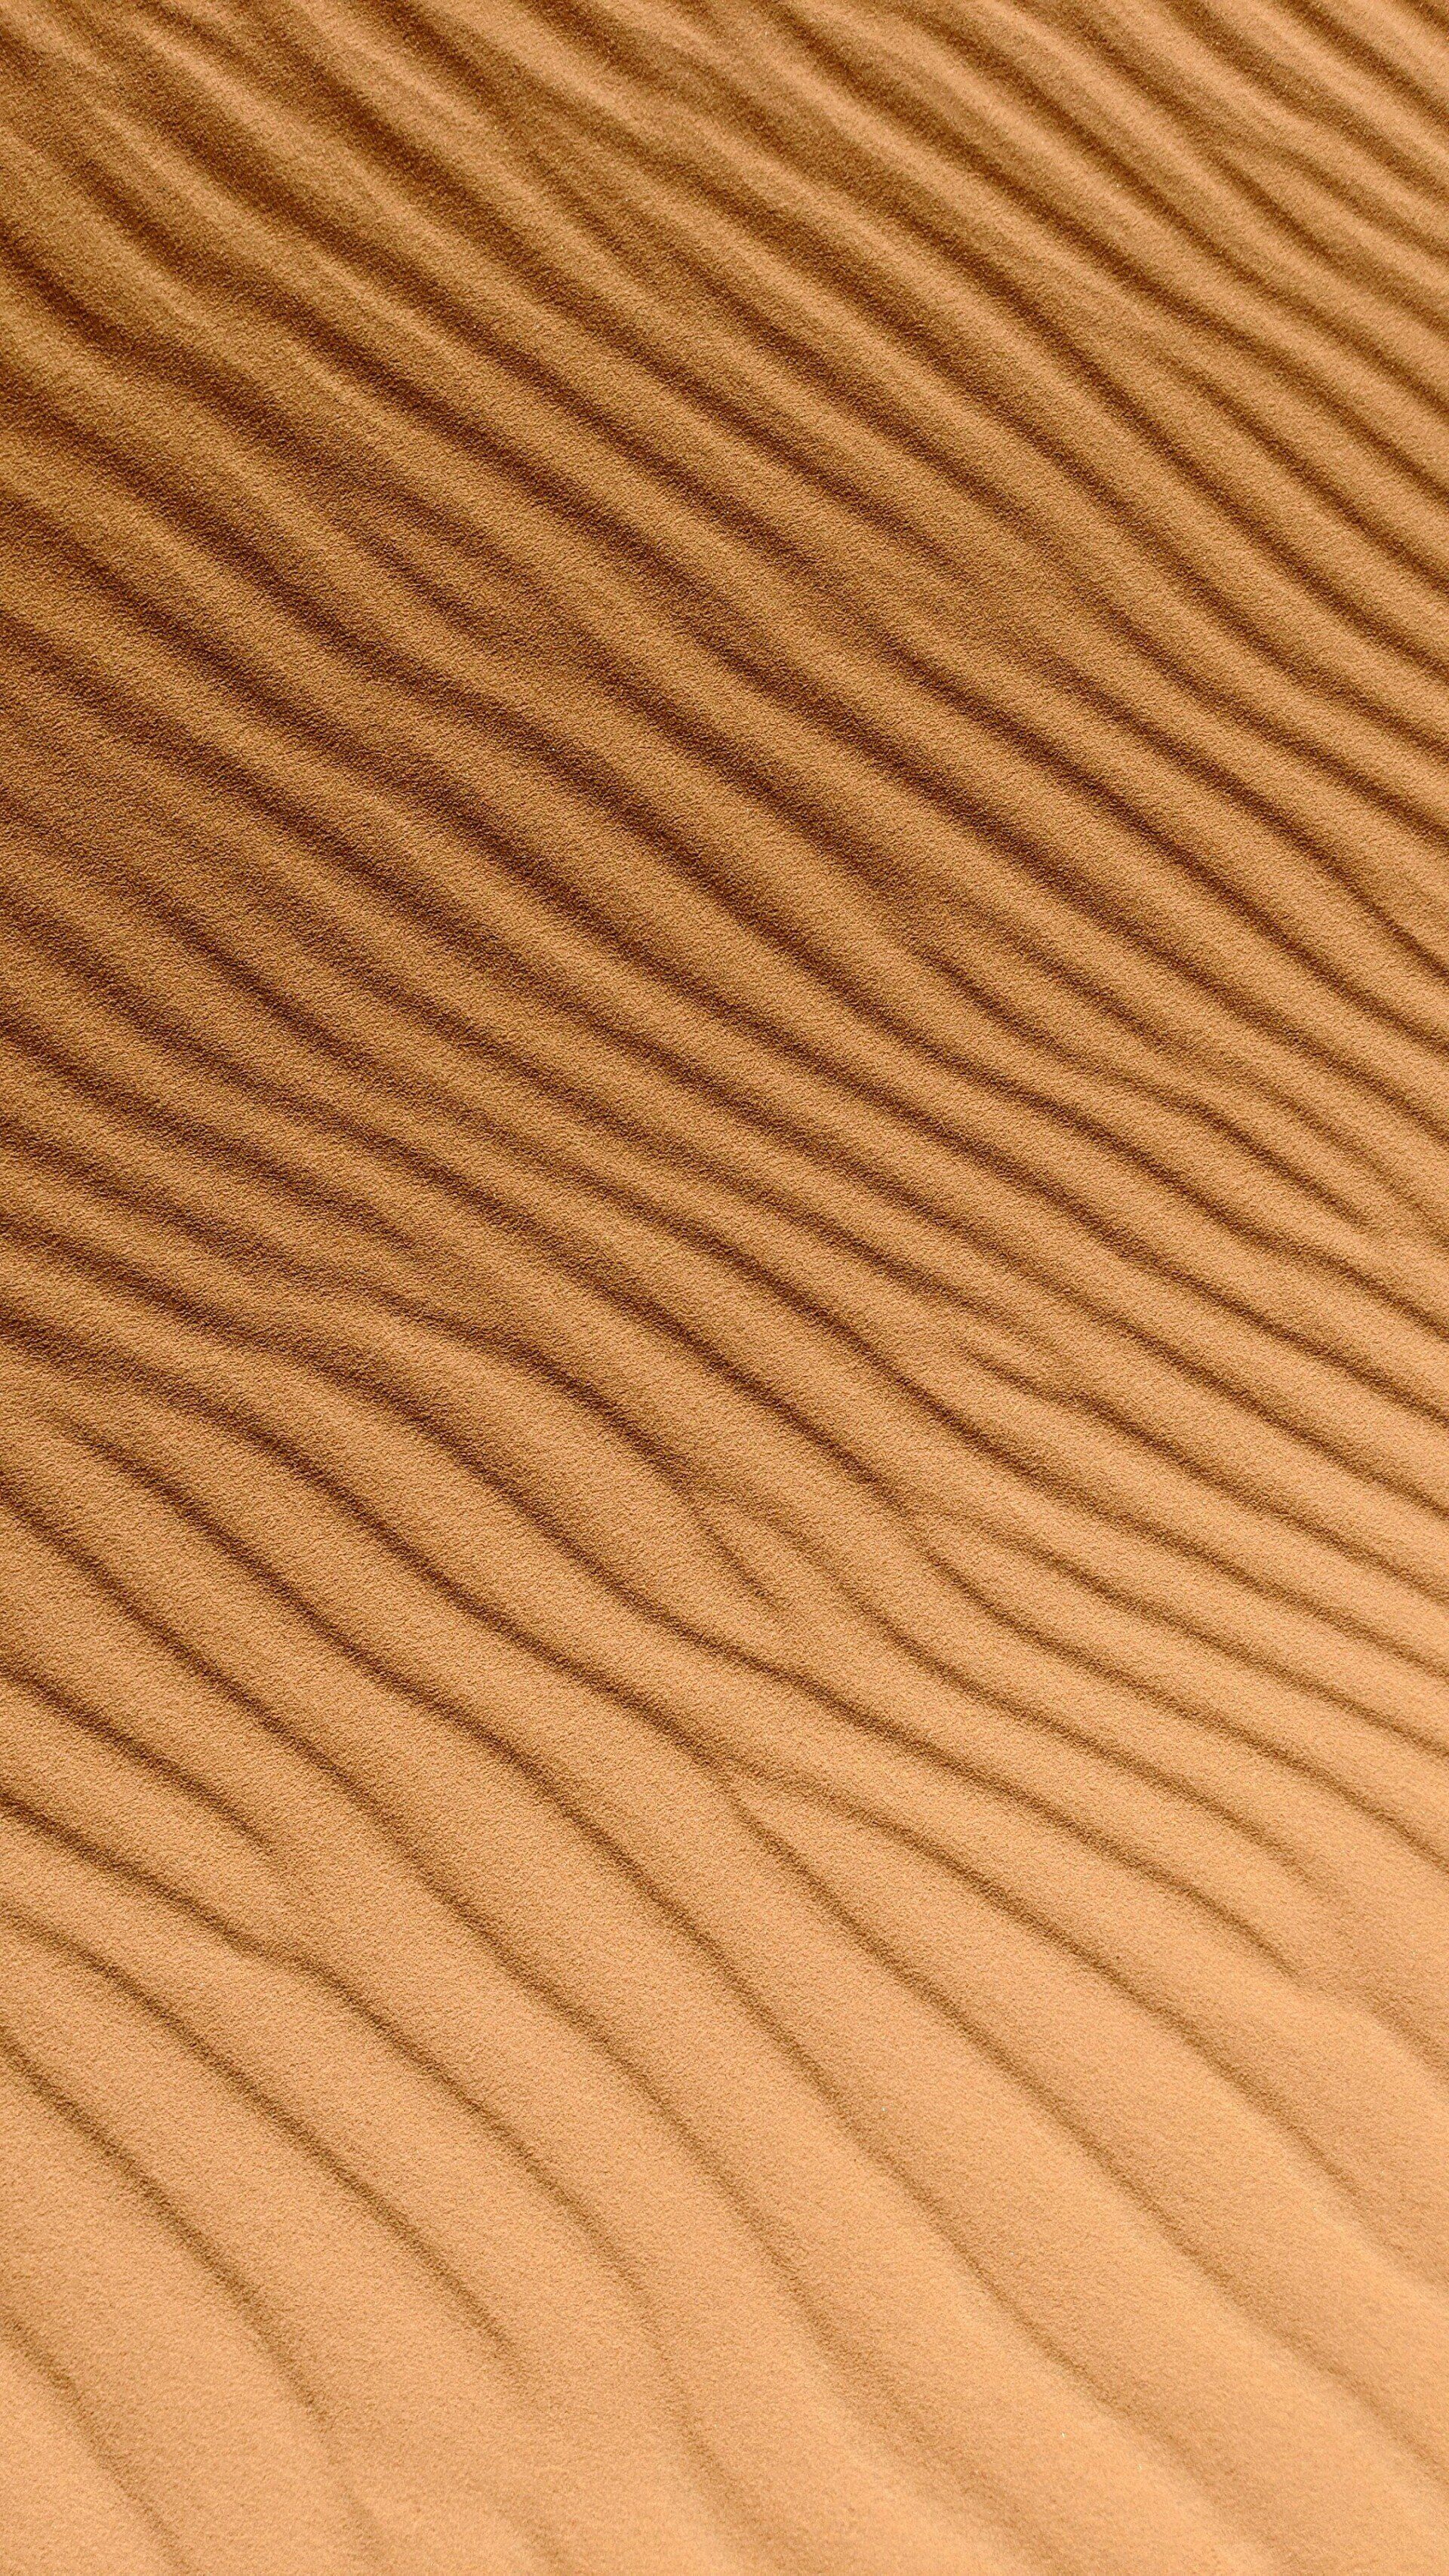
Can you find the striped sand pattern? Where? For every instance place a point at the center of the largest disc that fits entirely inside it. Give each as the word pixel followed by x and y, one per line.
pixel 724 1297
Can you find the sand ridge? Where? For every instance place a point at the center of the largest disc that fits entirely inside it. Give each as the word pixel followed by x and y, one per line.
pixel 724 1669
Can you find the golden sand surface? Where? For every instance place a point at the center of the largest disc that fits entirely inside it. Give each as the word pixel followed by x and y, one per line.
pixel 724 1317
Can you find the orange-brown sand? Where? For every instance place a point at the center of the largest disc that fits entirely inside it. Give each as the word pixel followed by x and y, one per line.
pixel 724 1288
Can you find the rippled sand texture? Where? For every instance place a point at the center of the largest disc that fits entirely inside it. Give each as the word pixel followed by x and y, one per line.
pixel 725 1741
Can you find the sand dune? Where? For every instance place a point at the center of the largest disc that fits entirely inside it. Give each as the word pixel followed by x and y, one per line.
pixel 724 1308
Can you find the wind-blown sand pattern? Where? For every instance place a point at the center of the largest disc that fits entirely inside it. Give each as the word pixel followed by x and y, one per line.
pixel 724 1704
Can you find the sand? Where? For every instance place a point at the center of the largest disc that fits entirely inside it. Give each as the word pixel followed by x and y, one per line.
pixel 724 1288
